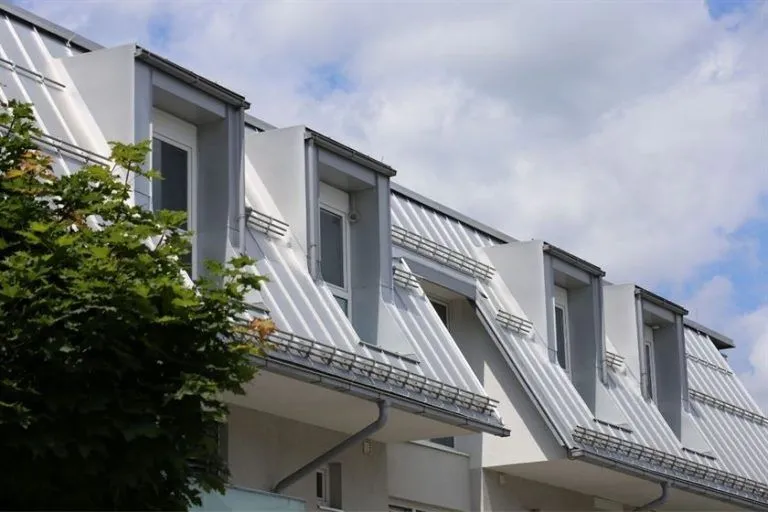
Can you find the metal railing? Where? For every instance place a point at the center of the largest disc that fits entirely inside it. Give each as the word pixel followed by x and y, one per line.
pixel 514 322
pixel 266 223
pixel 379 371
pixel 668 461
pixel 728 407
pixel 441 254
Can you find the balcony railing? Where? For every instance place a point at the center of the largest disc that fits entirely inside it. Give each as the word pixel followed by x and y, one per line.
pixel 237 499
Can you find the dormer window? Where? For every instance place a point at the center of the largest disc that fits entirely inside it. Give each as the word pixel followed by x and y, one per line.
pixel 334 243
pixel 174 151
pixel 561 327
pixel 649 370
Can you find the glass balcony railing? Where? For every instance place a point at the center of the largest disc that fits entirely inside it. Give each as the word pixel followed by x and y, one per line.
pixel 237 499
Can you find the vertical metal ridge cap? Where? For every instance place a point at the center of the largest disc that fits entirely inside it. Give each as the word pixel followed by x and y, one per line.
pixel 660 301
pixel 670 462
pixel 580 263
pixel 191 78
pixel 331 356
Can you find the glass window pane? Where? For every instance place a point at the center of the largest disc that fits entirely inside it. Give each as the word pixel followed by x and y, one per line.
pixel 343 304
pixel 332 248
pixel 560 334
pixel 172 163
pixel 320 484
pixel 442 312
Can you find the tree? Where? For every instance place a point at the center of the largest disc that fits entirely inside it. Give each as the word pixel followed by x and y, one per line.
pixel 113 366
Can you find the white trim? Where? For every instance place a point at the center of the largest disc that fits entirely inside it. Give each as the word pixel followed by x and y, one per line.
pixel 175 131
pixel 560 300
pixel 649 364
pixel 334 198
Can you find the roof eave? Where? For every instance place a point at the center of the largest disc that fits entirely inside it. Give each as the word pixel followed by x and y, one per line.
pixel 721 341
pixel 574 260
pixel 370 392
pixel 342 150
pixel 678 481
pixel 191 78
pixel 660 301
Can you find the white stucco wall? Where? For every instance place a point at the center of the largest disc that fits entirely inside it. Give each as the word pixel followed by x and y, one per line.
pixel 263 449
pixel 500 492
pixel 430 475
pixel 521 267
pixel 530 439
pixel 621 323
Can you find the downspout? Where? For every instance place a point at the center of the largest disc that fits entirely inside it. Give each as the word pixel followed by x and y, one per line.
pixel 661 500
pixel 303 471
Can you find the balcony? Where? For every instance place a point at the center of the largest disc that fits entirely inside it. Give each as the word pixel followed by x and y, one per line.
pixel 245 500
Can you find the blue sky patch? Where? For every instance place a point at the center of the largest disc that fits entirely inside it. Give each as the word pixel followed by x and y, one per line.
pixel 326 79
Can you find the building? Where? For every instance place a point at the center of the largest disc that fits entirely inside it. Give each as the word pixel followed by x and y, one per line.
pixel 423 361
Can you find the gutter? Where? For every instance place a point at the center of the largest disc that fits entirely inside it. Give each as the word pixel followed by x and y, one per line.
pixel 574 260
pixel 188 77
pixel 660 301
pixel 682 483
pixel 372 393
pixel 340 149
pixel 321 459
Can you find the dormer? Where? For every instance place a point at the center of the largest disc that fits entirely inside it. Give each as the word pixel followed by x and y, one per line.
pixel 647 330
pixel 562 295
pixel 196 130
pixel 336 201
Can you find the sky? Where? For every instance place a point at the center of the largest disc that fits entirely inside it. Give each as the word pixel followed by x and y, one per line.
pixel 633 134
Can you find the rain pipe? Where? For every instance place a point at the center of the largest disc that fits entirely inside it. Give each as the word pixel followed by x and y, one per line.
pixel 361 435
pixel 661 500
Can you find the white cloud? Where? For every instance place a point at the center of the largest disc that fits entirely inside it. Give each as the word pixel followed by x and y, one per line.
pixel 632 133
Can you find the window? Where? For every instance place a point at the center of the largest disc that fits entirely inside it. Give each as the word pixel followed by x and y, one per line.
pixel 322 489
pixel 561 327
pixel 174 145
pixel 441 309
pixel 334 243
pixel 649 369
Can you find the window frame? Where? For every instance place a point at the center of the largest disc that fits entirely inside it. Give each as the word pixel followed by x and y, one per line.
pixel 649 363
pixel 334 206
pixel 183 135
pixel 325 485
pixel 440 302
pixel 560 300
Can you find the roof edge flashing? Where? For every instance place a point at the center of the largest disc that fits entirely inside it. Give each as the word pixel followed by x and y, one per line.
pixel 721 341
pixel 660 301
pixel 342 150
pixel 573 260
pixel 191 78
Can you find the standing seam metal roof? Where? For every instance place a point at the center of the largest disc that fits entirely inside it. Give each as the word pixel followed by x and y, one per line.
pixel 740 445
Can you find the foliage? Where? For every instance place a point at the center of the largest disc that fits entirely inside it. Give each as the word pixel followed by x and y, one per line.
pixel 113 368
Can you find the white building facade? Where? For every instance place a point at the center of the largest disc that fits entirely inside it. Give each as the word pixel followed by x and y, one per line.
pixel 422 361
